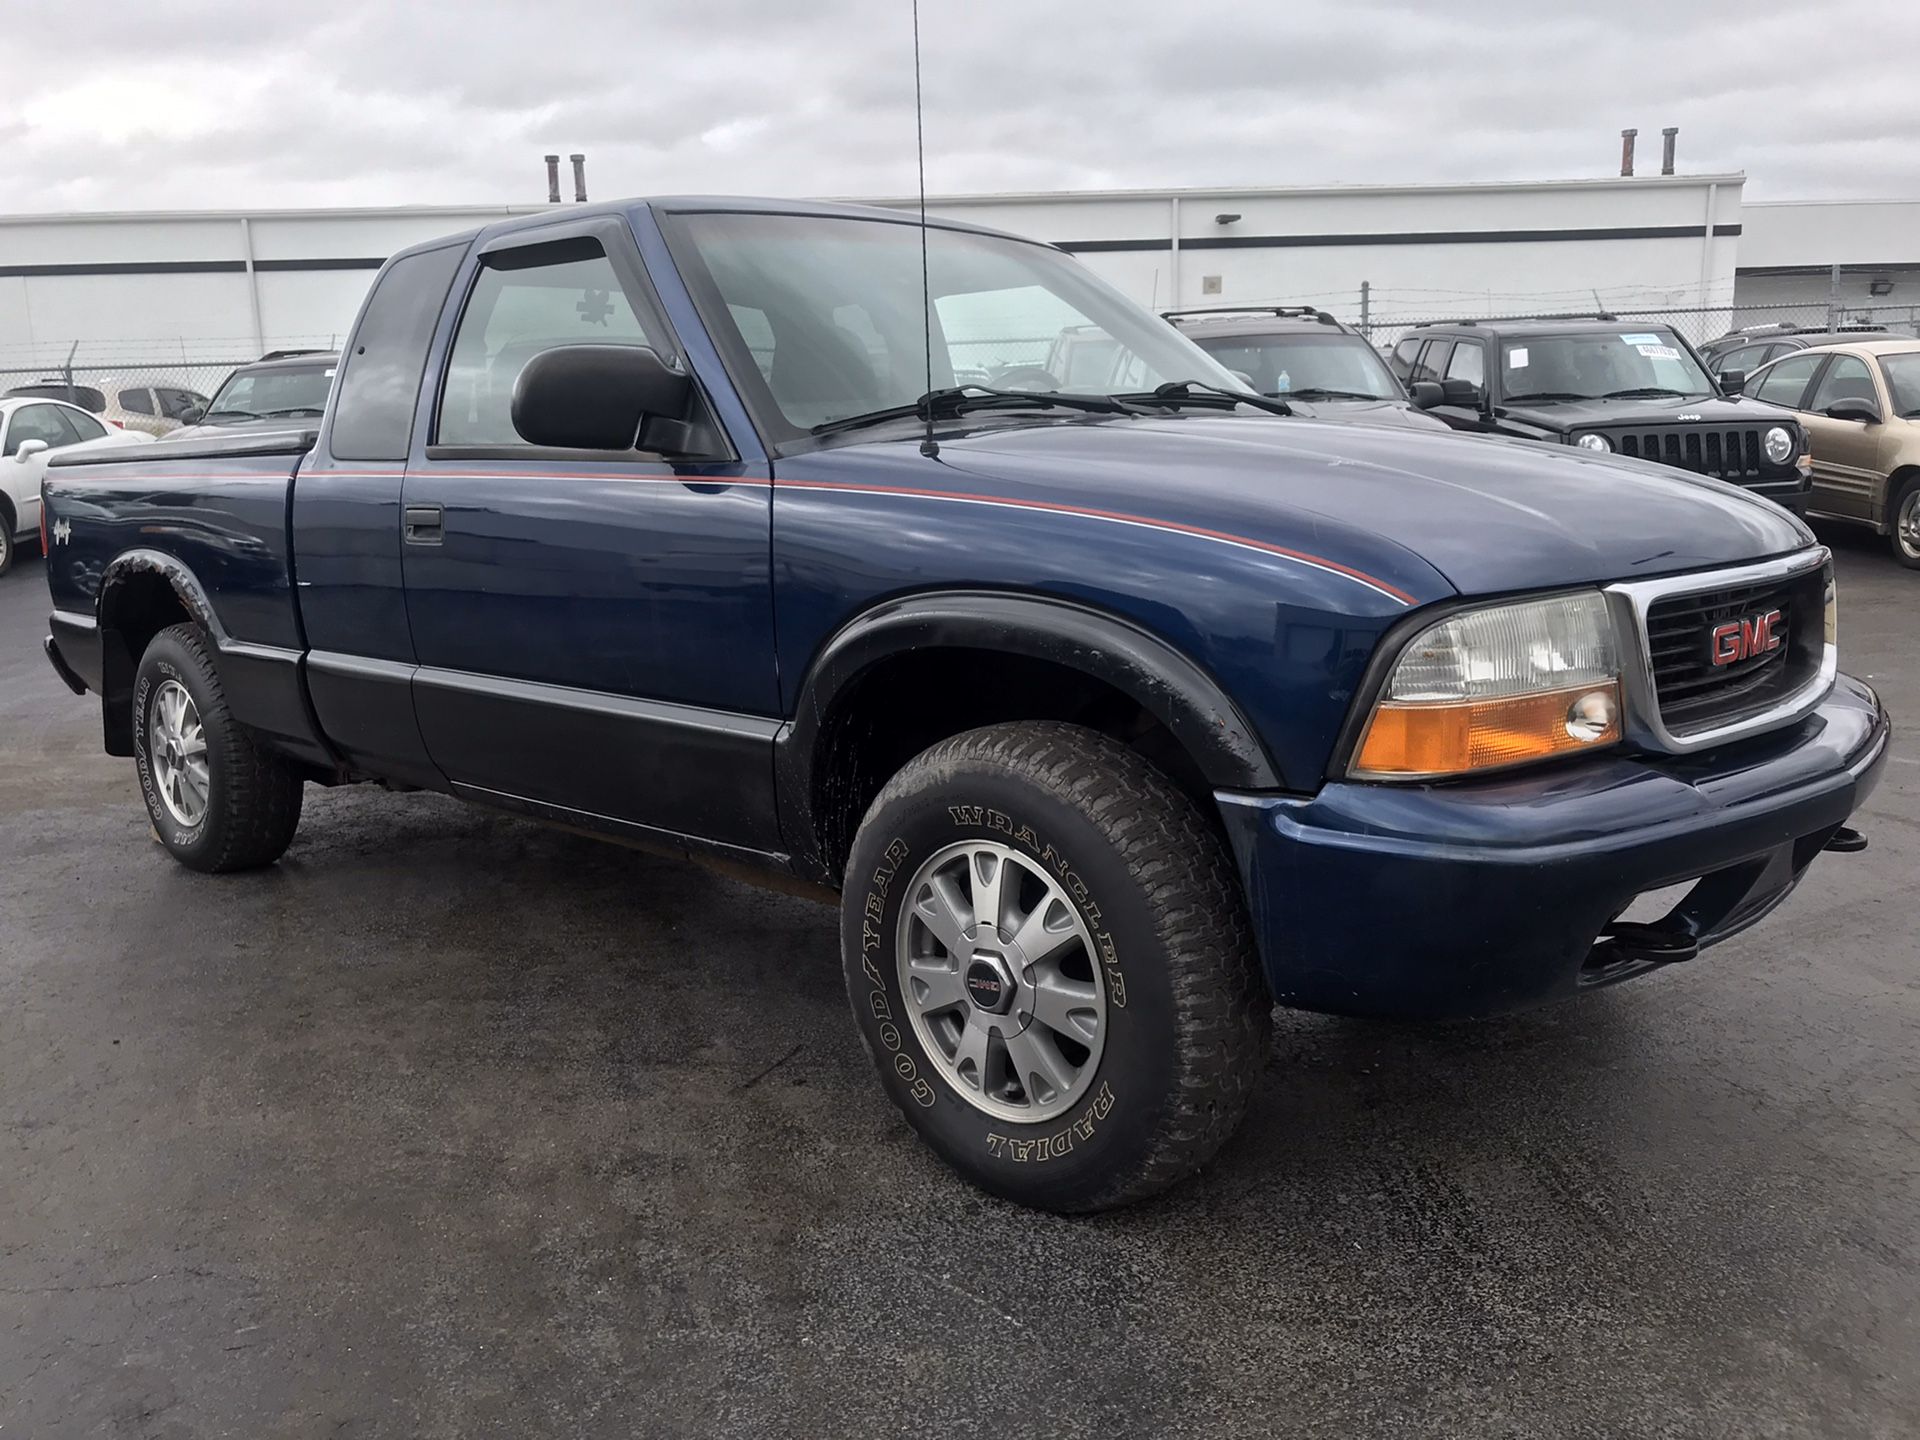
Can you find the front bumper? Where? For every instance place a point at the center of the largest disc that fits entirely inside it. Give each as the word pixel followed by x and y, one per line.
pixel 1790 491
pixel 1472 898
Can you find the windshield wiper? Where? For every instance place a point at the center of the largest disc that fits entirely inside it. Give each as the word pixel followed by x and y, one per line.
pixel 1548 395
pixel 243 414
pixel 291 410
pixel 1197 392
pixel 1649 391
pixel 1321 392
pixel 941 404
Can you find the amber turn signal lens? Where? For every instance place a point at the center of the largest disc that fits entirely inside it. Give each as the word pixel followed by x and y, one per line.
pixel 1414 738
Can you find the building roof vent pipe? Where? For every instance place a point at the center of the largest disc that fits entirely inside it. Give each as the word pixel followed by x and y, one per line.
pixel 1626 152
pixel 579 178
pixel 1668 137
pixel 553 179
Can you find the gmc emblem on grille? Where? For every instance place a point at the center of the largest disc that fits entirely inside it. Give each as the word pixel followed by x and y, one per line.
pixel 1743 639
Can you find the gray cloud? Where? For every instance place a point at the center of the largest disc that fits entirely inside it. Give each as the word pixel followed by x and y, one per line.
pixel 218 103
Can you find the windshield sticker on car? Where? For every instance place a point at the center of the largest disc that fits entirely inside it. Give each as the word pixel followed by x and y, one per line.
pixel 1643 339
pixel 1658 352
pixel 1517 358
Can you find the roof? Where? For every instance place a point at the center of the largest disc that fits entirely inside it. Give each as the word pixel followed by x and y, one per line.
pixel 733 204
pixel 292 362
pixel 1894 345
pixel 1254 320
pixel 1544 325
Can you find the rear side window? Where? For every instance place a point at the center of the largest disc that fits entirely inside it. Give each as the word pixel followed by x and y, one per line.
pixel 136 402
pixel 380 383
pixel 524 302
pixel 1785 381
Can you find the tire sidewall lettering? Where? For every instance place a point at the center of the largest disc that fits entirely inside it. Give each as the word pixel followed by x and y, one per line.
pixel 1078 1135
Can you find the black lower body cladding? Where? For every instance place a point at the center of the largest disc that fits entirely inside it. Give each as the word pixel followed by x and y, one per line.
pixel 1096 845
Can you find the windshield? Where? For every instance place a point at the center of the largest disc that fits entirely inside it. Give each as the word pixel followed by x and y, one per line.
pixel 1588 367
pixel 284 392
pixel 1903 383
pixel 1337 367
pixel 821 317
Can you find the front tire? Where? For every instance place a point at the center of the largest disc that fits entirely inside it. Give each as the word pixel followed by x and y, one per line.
pixel 6 541
pixel 218 801
pixel 1049 959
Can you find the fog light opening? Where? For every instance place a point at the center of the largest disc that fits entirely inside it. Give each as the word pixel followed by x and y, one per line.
pixel 1592 716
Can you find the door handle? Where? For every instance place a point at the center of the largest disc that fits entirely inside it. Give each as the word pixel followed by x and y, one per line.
pixel 424 525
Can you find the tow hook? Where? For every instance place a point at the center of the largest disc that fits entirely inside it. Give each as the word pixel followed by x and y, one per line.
pixel 1627 940
pixel 1847 841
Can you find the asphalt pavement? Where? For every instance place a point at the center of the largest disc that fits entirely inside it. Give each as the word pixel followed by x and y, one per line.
pixel 450 1126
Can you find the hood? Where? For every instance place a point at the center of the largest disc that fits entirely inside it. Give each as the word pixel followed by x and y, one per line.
pixel 1663 410
pixel 1367 412
pixel 1490 515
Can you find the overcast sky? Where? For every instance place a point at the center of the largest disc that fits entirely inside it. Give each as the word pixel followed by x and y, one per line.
pixel 192 104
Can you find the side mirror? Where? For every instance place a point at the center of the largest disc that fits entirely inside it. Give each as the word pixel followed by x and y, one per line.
pixel 192 415
pixel 1852 407
pixel 1460 392
pixel 1245 379
pixel 1425 394
pixel 1733 381
pixel 595 397
pixel 28 449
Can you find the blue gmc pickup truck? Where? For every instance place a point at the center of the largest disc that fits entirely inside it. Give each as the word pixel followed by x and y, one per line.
pixel 1113 718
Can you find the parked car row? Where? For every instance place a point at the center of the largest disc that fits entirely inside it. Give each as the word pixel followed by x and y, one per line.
pixel 149 409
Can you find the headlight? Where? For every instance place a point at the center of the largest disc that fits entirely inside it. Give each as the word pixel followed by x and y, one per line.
pixel 1497 686
pixel 1590 441
pixel 1779 445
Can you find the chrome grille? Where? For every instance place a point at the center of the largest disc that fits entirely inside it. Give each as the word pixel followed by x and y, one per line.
pixel 1681 699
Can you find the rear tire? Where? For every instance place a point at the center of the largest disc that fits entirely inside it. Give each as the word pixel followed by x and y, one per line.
pixel 218 801
pixel 1904 511
pixel 6 541
pixel 1083 892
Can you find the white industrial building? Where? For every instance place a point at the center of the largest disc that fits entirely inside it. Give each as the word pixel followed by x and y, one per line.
pixel 200 290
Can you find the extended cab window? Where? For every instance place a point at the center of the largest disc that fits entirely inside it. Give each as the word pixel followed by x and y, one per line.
pixel 1785 381
pixel 380 384
pixel 525 301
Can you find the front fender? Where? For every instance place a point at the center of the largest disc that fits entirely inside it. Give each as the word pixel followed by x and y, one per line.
pixel 1168 685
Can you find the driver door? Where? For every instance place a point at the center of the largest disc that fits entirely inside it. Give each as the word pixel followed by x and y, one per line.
pixel 593 629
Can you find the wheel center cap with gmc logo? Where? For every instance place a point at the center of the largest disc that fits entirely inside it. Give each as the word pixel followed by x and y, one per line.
pixel 989 983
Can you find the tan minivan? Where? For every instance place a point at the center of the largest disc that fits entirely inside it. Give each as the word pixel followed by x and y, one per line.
pixel 1860 403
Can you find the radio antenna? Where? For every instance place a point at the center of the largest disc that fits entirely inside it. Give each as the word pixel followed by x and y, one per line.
pixel 928 447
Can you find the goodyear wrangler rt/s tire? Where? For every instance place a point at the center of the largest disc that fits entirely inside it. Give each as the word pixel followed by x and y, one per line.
pixel 1049 960
pixel 217 800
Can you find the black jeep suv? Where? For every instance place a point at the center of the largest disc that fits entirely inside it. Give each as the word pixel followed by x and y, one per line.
pixel 1619 386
